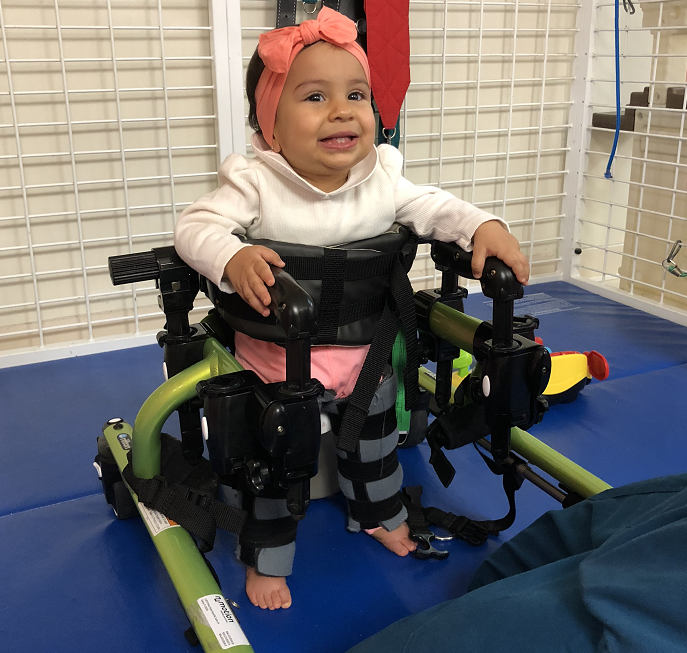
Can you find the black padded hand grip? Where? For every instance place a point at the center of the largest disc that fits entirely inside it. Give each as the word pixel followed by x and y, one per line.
pixel 498 280
pixel 292 305
pixel 130 268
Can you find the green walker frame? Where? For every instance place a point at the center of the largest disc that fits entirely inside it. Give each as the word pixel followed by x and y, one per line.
pixel 187 568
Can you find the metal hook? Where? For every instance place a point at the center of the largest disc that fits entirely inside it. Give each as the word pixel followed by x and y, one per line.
pixel 387 136
pixel 669 264
pixel 314 7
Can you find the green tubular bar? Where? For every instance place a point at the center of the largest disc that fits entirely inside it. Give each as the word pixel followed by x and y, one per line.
pixel 564 470
pixel 454 326
pixel 187 569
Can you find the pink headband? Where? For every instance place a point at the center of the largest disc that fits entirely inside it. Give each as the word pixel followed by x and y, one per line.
pixel 279 48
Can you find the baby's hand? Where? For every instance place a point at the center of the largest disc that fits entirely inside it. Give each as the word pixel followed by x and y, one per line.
pixel 249 272
pixel 491 239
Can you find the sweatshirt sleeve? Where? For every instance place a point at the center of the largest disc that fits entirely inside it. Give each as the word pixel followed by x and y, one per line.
pixel 206 232
pixel 429 211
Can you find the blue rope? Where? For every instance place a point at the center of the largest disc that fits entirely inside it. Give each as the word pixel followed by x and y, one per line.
pixel 607 174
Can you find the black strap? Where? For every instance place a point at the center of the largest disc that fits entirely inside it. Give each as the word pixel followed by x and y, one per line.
pixel 399 302
pixel 370 513
pixel 286 13
pixel 464 528
pixel 512 481
pixel 376 426
pixel 374 470
pixel 420 518
pixel 308 268
pixel 197 512
pixel 455 427
pixel 332 294
pixel 268 533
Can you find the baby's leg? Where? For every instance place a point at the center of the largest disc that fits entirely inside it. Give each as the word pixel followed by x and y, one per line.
pixel 371 478
pixel 267 546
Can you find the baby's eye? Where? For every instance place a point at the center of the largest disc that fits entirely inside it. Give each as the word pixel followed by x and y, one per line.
pixel 315 97
pixel 356 95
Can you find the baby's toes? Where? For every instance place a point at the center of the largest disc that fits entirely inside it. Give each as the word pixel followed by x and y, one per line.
pixel 285 597
pixel 399 548
pixel 275 600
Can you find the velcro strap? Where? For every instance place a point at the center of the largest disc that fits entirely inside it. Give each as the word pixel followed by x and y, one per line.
pixel 376 426
pixel 370 513
pixel 268 533
pixel 375 470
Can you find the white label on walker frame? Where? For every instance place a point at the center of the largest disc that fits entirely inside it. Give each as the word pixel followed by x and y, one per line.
pixel 155 520
pixel 221 619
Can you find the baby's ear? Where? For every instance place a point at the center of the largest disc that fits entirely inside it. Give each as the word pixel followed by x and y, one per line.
pixel 275 145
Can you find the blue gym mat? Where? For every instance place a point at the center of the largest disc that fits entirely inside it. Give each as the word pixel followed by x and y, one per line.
pixel 73 578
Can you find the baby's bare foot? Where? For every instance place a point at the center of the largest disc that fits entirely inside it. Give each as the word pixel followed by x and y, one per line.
pixel 397 540
pixel 267 591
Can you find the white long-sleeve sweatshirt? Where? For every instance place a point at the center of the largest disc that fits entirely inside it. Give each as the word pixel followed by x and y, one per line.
pixel 265 198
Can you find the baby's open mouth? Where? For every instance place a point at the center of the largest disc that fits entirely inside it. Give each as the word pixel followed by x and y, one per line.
pixel 339 139
pixel 340 142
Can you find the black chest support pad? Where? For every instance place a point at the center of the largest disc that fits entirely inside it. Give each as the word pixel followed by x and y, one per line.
pixel 349 284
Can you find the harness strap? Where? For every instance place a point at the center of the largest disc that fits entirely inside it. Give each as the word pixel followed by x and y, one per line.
pixel 334 263
pixel 420 518
pixel 512 482
pixel 286 13
pixel 306 268
pixel 400 301
pixel 455 427
pixel 197 512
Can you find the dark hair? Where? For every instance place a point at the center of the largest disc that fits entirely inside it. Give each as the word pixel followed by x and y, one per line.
pixel 253 72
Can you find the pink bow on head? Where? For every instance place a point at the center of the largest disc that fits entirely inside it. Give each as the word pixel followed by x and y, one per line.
pixel 278 48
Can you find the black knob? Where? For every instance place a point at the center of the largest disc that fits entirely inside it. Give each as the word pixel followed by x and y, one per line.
pixel 130 268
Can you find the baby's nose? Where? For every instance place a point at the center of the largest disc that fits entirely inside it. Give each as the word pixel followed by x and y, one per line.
pixel 341 110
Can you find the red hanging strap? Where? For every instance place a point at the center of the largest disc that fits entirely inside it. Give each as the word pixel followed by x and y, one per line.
pixel 388 50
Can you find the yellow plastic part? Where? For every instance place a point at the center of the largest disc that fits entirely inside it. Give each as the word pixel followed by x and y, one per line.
pixel 567 370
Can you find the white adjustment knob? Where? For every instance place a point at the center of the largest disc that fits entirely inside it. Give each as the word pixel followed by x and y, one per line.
pixel 164 371
pixel 486 386
pixel 204 427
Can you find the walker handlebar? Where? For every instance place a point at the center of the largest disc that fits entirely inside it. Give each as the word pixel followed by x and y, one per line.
pixel 132 268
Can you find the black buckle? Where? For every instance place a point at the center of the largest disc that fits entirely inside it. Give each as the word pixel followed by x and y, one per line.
pixel 425 549
pixel 466 529
pixel 203 501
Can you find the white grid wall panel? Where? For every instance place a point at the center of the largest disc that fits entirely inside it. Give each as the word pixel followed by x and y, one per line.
pixel 627 225
pixel 107 130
